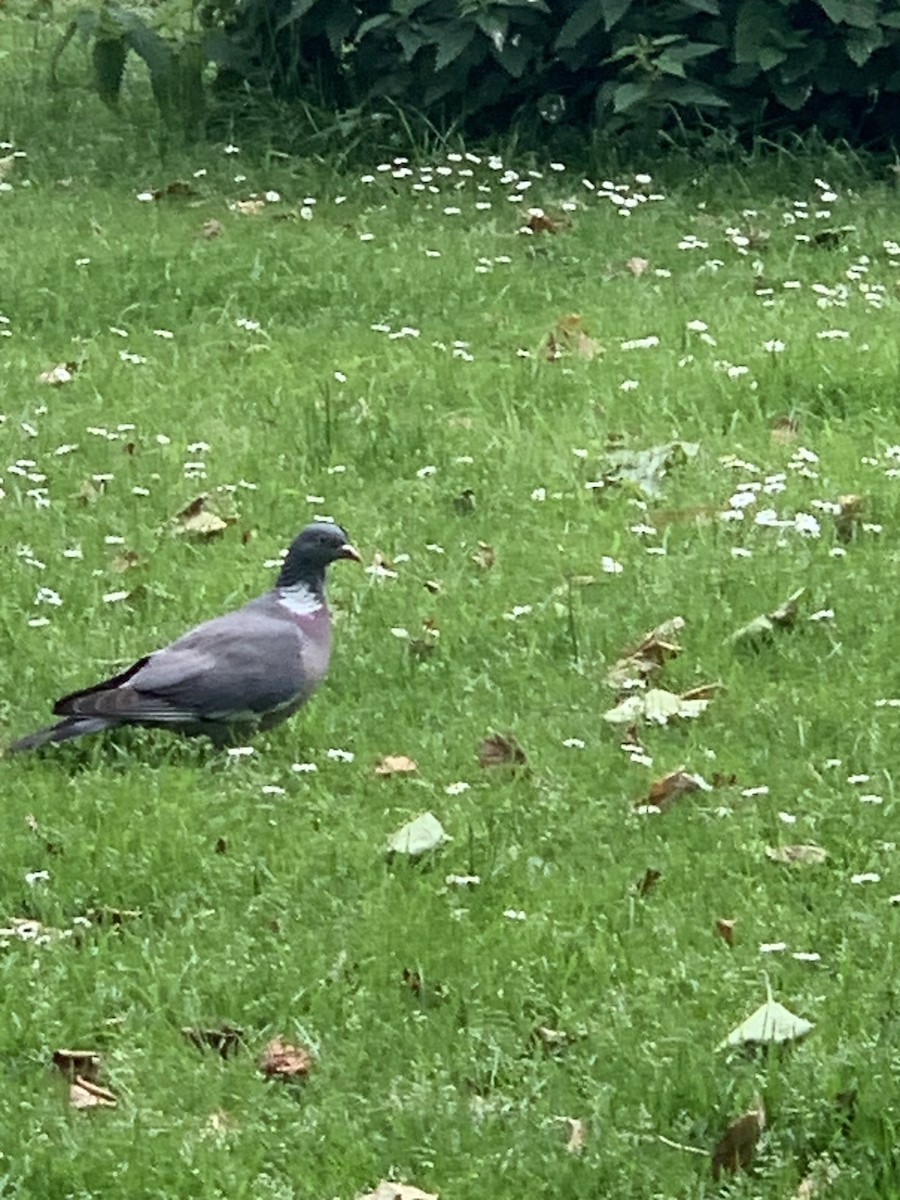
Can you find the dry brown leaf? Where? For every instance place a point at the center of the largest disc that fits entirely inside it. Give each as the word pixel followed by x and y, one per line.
pixel 649 655
pixel 85 1094
pixel 500 750
pixel 736 1147
pixel 785 429
pixel 226 1040
pixel 725 929
pixel 200 520
pixel 395 764
pixel 175 190
pixel 248 208
pixel 211 229
pixel 637 265
pixel 484 556
pixel 651 878
pixel 803 855
pixel 543 222
pixel 575 1143
pixel 850 516
pixel 387 1190
pixel 85 1063
pixel 63 372
pixel 423 647
pixel 125 561
pixel 570 337
pixel 464 503
pixel 660 706
pixel 281 1060
pixel 552 1039
pixel 668 788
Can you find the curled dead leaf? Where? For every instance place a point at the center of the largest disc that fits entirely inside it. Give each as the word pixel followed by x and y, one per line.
pixel 669 787
pixel 226 1040
pixel 201 520
pixel 569 337
pixel 801 855
pixel 178 189
pixel 725 929
pixel 784 429
pixel 424 646
pixel 544 222
pixel 735 1149
pixel 387 1190
pixel 648 656
pixel 637 265
pixel 85 1063
pixel 575 1142
pixel 660 706
pixel 281 1060
pixel 85 1094
pixel 761 628
pixel 211 229
pixel 395 764
pixel 649 881
pixel 63 372
pixel 850 516
pixel 500 750
pixel 125 561
pixel 484 556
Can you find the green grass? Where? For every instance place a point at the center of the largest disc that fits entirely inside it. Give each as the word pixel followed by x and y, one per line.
pixel 277 911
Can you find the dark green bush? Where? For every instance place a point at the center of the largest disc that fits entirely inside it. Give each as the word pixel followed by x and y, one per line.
pixel 481 65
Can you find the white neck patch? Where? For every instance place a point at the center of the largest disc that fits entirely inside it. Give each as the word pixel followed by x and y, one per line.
pixel 299 600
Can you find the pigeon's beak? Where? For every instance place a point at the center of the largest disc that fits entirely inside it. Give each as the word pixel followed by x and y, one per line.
pixel 348 551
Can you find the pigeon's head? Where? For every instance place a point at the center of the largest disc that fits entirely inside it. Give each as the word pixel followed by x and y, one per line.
pixel 311 551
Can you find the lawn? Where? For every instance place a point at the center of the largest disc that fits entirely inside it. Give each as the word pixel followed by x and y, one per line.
pixel 414 351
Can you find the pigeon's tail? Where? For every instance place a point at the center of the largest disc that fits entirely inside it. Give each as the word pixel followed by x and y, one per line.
pixel 69 727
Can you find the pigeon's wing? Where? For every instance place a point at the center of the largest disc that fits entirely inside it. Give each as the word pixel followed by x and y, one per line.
pixel 240 665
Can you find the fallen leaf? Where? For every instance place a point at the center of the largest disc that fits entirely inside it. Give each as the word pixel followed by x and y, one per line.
pixel 637 266
pixel 177 189
pixel 500 750
pixel 648 656
pixel 62 373
pixel 848 519
pixel 484 556
pixel 725 929
pixel 771 1022
pixel 651 878
pixel 657 706
pixel 761 628
pixel 211 229
pixel 200 520
pixel 575 1142
pixel 569 336
pixel 85 1094
pixel 832 237
pixel 423 647
pixel 225 1040
pixel 464 503
pixel 247 208
pixel 552 1039
pixel 386 1190
pixel 395 764
pixel 646 469
pixel 543 222
pixel 668 788
pixel 785 429
pixel 431 989
pixel 735 1149
pixel 281 1060
pixel 802 855
pixel 419 836
pixel 85 1063
pixel 125 561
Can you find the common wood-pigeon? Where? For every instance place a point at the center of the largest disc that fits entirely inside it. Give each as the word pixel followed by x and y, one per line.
pixel 247 670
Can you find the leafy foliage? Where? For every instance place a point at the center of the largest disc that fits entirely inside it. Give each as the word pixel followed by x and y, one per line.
pixel 484 63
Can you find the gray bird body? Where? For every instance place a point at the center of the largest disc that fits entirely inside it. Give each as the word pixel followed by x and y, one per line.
pixel 247 670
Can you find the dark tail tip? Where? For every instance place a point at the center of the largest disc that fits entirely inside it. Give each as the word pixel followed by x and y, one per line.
pixel 62 731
